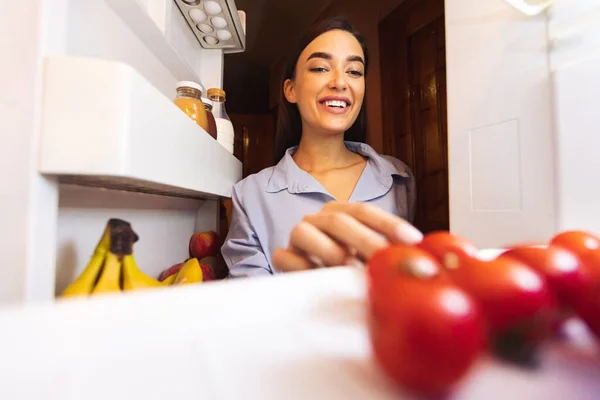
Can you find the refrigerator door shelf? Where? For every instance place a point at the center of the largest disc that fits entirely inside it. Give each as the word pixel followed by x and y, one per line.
pixel 104 125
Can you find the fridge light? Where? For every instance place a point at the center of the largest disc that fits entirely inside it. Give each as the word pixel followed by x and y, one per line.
pixel 217 24
pixel 197 15
pixel 212 7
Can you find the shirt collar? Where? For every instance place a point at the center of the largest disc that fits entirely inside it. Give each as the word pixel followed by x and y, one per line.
pixel 287 174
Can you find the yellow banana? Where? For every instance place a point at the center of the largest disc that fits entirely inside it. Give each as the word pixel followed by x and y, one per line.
pixel 84 284
pixel 189 273
pixel 169 280
pixel 111 274
pixel 133 278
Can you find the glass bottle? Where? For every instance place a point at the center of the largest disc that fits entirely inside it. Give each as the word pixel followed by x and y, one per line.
pixel 188 99
pixel 212 125
pixel 225 133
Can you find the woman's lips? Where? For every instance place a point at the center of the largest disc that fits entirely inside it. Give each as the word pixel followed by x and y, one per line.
pixel 335 105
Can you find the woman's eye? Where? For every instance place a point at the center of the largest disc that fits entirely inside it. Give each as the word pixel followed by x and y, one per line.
pixel 356 73
pixel 318 69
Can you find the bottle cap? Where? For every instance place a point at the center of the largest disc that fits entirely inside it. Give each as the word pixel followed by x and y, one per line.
pixel 190 84
pixel 216 93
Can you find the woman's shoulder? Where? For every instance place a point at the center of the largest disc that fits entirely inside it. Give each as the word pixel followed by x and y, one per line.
pixel 397 165
pixel 254 183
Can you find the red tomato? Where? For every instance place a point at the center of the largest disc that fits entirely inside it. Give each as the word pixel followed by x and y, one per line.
pixel 425 332
pixel 587 303
pixel 591 263
pixel 398 260
pixel 578 242
pixel 439 243
pixel 587 308
pixel 512 295
pixel 559 267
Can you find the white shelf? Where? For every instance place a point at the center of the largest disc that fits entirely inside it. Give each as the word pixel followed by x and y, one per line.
pixel 105 125
pixel 310 343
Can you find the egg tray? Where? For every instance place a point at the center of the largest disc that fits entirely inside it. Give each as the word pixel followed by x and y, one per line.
pixel 235 44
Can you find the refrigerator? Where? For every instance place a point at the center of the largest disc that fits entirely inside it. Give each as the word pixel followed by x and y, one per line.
pixel 90 132
pixel 523 144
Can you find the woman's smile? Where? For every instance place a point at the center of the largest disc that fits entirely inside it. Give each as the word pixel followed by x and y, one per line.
pixel 335 104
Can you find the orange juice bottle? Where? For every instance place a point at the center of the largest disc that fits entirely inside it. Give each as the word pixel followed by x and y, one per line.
pixel 189 100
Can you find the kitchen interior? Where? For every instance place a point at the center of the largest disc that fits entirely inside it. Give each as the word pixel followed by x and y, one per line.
pixel 491 103
pixel 252 79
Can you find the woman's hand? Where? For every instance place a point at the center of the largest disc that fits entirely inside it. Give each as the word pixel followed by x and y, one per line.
pixel 342 234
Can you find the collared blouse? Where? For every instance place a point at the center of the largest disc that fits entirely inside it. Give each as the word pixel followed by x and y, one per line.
pixel 267 205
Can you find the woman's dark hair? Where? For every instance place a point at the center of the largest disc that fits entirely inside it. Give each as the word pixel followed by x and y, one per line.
pixel 289 124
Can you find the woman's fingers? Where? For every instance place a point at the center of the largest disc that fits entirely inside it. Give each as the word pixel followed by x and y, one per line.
pixel 340 233
pixel 289 261
pixel 309 239
pixel 395 229
pixel 347 231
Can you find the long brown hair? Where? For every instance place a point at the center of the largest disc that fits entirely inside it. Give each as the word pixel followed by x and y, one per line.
pixel 289 123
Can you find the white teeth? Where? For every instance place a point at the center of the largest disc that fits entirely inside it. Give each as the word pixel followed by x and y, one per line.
pixel 335 103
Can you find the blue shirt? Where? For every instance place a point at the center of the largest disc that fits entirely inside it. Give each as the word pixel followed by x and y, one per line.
pixel 267 205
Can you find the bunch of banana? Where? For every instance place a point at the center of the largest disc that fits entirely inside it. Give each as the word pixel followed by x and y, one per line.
pixel 112 267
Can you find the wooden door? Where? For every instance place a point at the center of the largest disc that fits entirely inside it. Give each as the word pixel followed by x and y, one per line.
pixel 254 141
pixel 427 83
pixel 413 73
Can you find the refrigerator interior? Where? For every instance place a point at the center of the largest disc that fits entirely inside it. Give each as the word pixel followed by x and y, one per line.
pixel 149 46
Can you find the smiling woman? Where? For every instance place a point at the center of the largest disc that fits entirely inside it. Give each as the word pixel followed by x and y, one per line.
pixel 331 199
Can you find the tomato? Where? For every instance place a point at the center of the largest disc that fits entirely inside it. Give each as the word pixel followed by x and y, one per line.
pixel 587 308
pixel 439 243
pixel 425 332
pixel 509 292
pixel 578 242
pixel 397 260
pixel 587 302
pixel 561 269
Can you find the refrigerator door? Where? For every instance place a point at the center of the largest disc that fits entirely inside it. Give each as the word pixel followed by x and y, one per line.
pixel 500 125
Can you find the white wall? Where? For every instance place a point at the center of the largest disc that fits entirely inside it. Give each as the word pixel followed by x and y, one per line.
pixel 574 33
pixel 26 243
pixel 500 130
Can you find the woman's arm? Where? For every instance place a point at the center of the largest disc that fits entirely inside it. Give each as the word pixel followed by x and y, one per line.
pixel 242 250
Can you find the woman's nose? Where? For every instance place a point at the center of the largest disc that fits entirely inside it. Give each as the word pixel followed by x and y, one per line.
pixel 338 80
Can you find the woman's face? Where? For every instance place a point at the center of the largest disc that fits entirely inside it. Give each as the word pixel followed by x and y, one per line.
pixel 329 86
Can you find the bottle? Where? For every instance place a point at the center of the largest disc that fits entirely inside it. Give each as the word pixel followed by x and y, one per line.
pixel 188 99
pixel 212 125
pixel 225 133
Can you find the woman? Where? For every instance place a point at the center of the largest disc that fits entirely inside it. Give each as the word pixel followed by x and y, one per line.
pixel 331 199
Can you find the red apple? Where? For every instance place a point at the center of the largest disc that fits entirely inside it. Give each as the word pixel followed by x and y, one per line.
pixel 204 244
pixel 170 271
pixel 207 273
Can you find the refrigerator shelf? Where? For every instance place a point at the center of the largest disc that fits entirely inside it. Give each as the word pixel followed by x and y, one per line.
pixel 105 125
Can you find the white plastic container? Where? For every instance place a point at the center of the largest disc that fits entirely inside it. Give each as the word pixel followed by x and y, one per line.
pixel 225 131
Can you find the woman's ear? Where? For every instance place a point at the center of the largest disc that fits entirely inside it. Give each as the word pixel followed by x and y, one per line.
pixel 288 91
